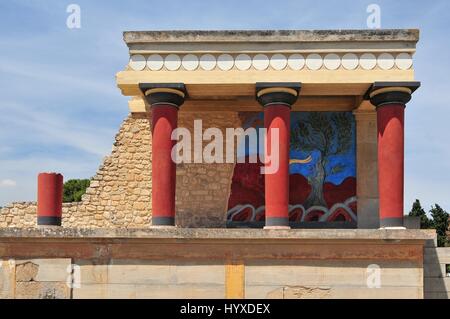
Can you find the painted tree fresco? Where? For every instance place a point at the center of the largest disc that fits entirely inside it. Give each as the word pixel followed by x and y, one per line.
pixel 322 171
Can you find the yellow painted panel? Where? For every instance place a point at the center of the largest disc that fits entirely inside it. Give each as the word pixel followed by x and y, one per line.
pixel 235 280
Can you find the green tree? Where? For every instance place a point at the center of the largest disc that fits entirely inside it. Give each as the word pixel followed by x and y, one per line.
pixel 418 211
pixel 440 223
pixel 74 189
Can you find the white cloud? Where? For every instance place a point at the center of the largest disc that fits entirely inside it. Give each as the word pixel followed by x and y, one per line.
pixel 72 81
pixel 55 128
pixel 8 183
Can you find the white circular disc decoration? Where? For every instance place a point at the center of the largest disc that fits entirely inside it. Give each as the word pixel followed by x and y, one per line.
pixel 243 62
pixel 137 62
pixel 332 61
pixel 314 61
pixel 278 61
pixel 155 62
pixel 225 62
pixel 208 62
pixel 404 61
pixel 172 62
pixel 386 61
pixel 260 62
pixel 350 61
pixel 190 62
pixel 368 61
pixel 296 62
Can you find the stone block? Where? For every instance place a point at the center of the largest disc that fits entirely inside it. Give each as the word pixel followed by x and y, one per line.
pixel 7 279
pixel 42 290
pixel 200 274
pixel 48 270
pixel 331 274
pixel 336 292
pixel 91 273
pixel 141 272
pixel 145 291
pixel 189 291
pixel 104 291
pixel 26 272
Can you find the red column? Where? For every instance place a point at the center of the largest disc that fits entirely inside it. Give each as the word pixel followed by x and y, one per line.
pixel 391 164
pixel 277 99
pixel 165 100
pixel 50 197
pixel 164 121
pixel 277 117
pixel 390 99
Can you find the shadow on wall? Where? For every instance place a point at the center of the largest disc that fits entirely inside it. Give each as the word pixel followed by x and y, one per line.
pixel 436 274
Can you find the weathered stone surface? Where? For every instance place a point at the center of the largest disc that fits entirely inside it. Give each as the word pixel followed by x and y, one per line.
pixel 307 274
pixel 42 290
pixel 26 272
pixel 299 292
pixel 327 292
pixel 203 189
pixel 305 292
pixel 7 279
pixel 105 291
pixel 131 37
pixel 220 233
pixel 18 215
pixel 49 270
pixel 92 272
pixel 208 274
pixel 145 291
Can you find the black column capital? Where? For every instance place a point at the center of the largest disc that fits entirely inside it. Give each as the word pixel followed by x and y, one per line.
pixel 277 93
pixel 383 93
pixel 164 93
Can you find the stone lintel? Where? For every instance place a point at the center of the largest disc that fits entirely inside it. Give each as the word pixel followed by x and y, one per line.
pixel 411 35
pixel 7 234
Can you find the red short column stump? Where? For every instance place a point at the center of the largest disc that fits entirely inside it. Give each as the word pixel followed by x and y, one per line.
pixel 390 101
pixel 277 99
pixel 50 197
pixel 165 100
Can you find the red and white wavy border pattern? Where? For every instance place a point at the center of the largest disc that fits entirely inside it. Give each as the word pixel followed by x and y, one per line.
pixel 327 216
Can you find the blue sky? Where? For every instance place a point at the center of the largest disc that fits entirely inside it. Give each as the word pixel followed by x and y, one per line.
pixel 60 108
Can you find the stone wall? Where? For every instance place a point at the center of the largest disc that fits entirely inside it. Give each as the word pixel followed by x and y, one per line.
pixel 18 215
pixel 35 278
pixel 203 189
pixel 120 193
pixel 155 279
pixel 436 276
pixel 213 263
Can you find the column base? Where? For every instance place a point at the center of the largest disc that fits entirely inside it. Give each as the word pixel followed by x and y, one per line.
pixel 163 227
pixel 392 222
pixel 277 223
pixel 48 227
pixel 276 227
pixel 49 221
pixel 163 221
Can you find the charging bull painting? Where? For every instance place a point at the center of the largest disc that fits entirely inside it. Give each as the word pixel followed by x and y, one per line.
pixel 322 171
